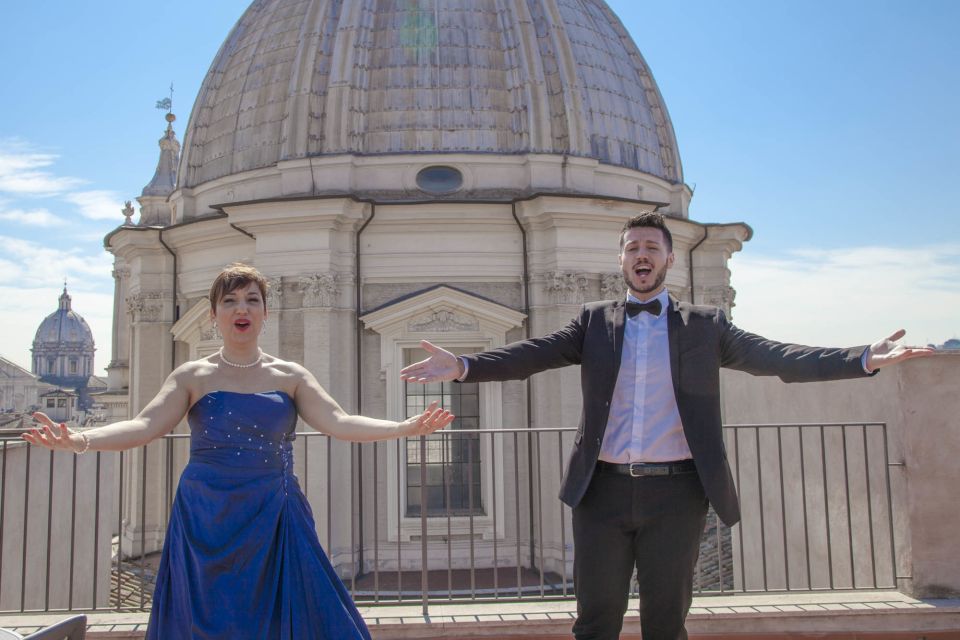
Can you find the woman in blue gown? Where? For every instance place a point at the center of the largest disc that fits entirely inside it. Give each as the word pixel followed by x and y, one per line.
pixel 241 558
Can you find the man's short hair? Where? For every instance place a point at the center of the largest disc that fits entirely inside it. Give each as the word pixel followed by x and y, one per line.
pixel 648 219
pixel 236 276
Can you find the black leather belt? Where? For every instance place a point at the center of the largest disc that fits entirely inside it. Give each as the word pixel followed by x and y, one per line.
pixel 645 469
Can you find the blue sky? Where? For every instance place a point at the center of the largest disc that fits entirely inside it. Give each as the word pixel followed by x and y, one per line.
pixel 830 127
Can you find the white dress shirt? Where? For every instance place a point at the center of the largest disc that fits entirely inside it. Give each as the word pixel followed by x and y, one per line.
pixel 644 423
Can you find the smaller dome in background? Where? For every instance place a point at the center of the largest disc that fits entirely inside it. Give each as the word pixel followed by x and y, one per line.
pixel 63 350
pixel 63 326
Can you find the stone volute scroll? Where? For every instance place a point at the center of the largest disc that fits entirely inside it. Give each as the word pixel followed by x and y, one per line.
pixel 320 289
pixel 718 296
pixel 274 293
pixel 134 305
pixel 565 287
pixel 612 286
pixel 145 306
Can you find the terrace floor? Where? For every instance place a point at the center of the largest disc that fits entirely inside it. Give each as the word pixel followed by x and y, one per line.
pixel 877 615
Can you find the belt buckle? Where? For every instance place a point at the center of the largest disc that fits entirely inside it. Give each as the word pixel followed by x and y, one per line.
pixel 641 470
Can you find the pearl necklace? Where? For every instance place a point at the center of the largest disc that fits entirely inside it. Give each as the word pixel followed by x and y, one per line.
pixel 224 360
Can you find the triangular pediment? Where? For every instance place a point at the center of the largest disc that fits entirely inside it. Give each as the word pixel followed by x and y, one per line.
pixel 442 309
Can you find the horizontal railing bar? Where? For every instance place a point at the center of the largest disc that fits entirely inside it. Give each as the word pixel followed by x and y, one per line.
pixel 769 425
pixel 774 425
pixel 362 598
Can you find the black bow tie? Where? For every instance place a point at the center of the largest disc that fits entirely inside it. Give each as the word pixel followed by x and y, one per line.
pixel 652 307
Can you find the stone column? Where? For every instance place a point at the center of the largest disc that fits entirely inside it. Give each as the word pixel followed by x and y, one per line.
pixel 320 292
pixel 270 340
pixel 329 353
pixel 118 371
pixel 556 297
pixel 711 273
pixel 144 480
pixel 150 306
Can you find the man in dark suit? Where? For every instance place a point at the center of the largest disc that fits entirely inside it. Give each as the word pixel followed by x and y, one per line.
pixel 648 455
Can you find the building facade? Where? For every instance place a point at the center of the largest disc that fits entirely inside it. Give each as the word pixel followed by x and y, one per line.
pixel 458 174
pixel 20 389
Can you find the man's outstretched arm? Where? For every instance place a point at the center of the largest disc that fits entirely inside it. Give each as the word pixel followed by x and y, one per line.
pixel 515 361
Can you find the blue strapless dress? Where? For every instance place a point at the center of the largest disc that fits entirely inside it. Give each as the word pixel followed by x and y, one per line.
pixel 241 558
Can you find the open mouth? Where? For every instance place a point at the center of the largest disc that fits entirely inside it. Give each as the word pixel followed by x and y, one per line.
pixel 643 270
pixel 242 324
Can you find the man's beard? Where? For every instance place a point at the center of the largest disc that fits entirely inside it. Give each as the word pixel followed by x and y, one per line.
pixel 658 281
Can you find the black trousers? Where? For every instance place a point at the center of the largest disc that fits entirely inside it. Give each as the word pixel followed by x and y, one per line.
pixel 652 524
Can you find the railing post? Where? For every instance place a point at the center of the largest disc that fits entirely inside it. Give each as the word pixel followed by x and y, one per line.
pixel 424 573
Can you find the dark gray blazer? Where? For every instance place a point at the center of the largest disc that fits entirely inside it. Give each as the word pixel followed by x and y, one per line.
pixel 701 341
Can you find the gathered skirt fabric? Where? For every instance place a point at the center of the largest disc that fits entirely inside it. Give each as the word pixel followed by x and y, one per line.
pixel 241 558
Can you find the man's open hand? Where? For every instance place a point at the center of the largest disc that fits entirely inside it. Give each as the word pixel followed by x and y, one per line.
pixel 441 366
pixel 886 352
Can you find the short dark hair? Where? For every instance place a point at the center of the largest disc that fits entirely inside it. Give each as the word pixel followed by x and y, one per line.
pixel 236 276
pixel 648 219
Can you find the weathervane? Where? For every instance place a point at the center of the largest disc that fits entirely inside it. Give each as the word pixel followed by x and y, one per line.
pixel 166 103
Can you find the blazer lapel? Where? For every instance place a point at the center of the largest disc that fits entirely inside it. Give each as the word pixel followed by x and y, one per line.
pixel 615 315
pixel 676 321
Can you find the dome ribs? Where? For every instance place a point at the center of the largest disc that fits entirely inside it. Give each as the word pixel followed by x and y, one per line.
pixel 307 78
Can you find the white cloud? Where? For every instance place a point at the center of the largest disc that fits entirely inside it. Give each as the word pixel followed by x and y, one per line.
pixel 850 296
pixel 31 264
pixel 33 217
pixel 22 172
pixel 16 157
pixel 98 205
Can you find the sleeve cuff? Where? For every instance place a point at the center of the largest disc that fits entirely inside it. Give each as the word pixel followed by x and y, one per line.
pixel 863 362
pixel 466 368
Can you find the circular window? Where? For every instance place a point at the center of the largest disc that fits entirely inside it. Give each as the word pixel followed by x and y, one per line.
pixel 439 179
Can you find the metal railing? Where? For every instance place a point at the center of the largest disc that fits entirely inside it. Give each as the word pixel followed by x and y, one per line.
pixel 818 511
pixel 83 533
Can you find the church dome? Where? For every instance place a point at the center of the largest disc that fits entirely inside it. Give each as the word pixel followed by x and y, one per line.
pixel 63 326
pixel 63 346
pixel 307 78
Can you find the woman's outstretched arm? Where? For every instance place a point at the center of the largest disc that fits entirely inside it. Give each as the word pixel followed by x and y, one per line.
pixel 158 418
pixel 321 411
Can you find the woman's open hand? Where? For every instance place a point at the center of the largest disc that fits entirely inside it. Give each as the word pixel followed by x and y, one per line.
pixel 432 419
pixel 53 435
